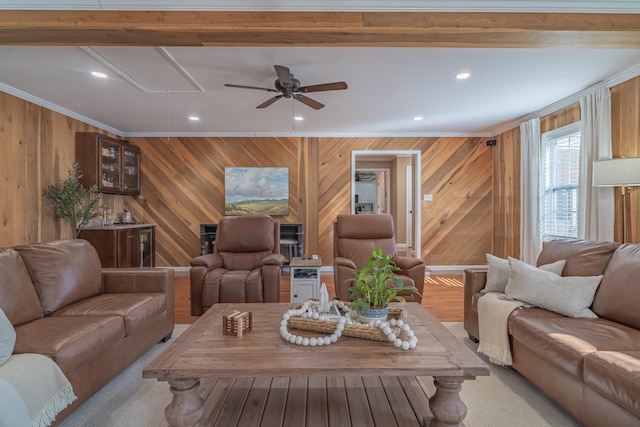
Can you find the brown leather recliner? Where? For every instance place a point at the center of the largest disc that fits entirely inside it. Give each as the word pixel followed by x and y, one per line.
pixel 245 265
pixel 355 237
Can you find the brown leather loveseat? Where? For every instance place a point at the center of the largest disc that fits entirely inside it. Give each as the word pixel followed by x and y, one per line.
pixel 92 322
pixel 590 366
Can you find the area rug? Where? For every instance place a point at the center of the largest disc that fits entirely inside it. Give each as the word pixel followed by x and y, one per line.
pixel 503 399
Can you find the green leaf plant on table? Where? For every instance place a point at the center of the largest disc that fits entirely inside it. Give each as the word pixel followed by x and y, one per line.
pixel 375 286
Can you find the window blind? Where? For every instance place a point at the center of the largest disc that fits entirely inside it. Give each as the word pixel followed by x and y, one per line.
pixel 559 198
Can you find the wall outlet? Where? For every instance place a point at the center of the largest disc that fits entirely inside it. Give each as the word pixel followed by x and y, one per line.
pixel 427 197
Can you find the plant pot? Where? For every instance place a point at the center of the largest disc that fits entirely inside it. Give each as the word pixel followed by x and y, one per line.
pixel 372 314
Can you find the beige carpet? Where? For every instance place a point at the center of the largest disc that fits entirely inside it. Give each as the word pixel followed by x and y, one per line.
pixel 503 399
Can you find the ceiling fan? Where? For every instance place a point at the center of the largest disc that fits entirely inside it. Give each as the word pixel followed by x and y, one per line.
pixel 289 87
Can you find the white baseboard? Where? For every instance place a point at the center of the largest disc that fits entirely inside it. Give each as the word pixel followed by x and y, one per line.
pixel 454 269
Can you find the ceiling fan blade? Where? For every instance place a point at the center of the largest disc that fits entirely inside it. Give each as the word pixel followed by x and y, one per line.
pixel 250 87
pixel 284 76
pixel 308 101
pixel 324 87
pixel 269 101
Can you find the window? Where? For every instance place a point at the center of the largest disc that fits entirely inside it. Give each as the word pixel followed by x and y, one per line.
pixel 559 186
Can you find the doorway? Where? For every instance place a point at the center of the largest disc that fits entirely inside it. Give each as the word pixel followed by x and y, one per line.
pixel 403 187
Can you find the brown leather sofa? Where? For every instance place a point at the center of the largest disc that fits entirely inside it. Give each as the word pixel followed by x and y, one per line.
pixel 355 237
pixel 245 266
pixel 591 367
pixel 92 322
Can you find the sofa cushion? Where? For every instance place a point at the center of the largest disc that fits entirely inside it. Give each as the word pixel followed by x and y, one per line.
pixel 63 271
pixel 498 272
pixel 619 293
pixel 70 340
pixel 7 338
pixel 18 297
pixel 584 257
pixel 570 296
pixel 564 341
pixel 137 309
pixel 615 375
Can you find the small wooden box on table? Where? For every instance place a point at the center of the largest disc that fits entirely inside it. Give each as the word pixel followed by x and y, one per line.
pixel 236 323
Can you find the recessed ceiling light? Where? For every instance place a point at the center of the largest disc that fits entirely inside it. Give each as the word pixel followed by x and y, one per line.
pixel 99 75
pixel 194 118
pixel 298 118
pixel 462 76
pixel 418 118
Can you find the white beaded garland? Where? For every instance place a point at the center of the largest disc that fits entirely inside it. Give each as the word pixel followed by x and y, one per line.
pixel 305 312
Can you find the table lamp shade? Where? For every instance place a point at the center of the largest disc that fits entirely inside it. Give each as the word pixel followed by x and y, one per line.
pixel 617 172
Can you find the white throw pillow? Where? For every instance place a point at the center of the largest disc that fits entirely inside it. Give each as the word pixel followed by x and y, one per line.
pixel 498 272
pixel 571 296
pixel 7 338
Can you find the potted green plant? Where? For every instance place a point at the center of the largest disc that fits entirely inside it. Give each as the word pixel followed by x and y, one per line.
pixel 74 203
pixel 375 286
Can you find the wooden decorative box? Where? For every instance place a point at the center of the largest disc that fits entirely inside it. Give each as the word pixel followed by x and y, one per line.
pixel 236 323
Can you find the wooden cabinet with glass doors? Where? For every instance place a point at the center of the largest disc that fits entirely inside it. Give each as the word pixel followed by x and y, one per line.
pixel 111 164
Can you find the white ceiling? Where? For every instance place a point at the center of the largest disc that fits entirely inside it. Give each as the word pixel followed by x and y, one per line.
pixel 151 91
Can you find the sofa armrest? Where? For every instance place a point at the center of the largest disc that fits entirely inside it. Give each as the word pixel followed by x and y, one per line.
pixel 414 269
pixel 123 280
pixel 474 281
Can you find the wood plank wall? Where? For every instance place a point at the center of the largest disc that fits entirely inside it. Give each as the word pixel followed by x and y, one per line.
pixel 476 188
pixel 183 185
pixel 37 148
pixel 625 140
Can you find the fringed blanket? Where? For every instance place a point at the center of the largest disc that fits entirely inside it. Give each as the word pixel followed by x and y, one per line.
pixel 34 391
pixel 493 312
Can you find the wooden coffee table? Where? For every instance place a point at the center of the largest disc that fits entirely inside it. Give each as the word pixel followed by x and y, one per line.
pixel 261 380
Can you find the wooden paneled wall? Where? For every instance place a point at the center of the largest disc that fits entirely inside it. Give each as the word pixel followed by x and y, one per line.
pixel 183 185
pixel 475 188
pixel 506 195
pixel 37 148
pixel 625 141
pixel 456 226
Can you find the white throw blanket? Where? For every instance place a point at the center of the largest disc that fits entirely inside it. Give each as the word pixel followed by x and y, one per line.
pixel 493 312
pixel 33 391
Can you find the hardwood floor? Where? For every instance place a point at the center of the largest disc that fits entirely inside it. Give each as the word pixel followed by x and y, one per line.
pixel 443 296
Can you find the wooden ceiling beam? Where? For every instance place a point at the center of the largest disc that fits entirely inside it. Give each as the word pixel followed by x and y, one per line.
pixel 388 29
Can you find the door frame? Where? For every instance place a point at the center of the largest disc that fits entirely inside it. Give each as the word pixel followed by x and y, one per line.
pixel 416 162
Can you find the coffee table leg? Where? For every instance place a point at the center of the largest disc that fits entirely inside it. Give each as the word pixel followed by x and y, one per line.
pixel 185 410
pixel 446 406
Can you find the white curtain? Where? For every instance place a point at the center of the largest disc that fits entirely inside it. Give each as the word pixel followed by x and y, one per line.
pixel 595 204
pixel 530 240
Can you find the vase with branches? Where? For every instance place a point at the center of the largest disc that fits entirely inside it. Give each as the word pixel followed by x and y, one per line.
pixel 74 203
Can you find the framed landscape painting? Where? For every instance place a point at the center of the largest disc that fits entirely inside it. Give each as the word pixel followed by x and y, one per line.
pixel 253 190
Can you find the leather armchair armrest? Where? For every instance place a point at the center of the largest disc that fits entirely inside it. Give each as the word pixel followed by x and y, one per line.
pixel 406 263
pixel 209 261
pixel 343 270
pixel 274 259
pixel 343 262
pixel 271 277
pixel 413 268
